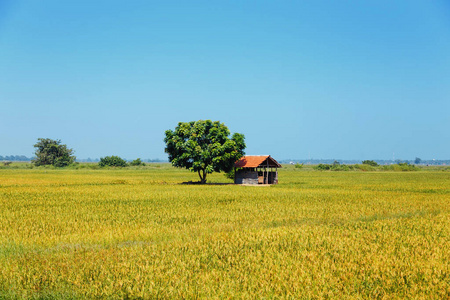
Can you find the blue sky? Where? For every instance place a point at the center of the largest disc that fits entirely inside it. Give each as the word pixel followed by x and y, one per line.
pixel 300 79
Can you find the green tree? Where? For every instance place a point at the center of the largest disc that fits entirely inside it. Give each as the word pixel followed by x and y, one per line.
pixel 203 147
pixel 112 161
pixel 52 152
pixel 417 161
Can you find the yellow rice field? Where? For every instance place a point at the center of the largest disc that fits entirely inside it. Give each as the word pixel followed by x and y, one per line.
pixel 141 233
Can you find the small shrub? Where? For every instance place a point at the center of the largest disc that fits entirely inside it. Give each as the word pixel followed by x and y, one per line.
pixel 112 161
pixel 336 166
pixel 322 167
pixel 230 175
pixel 137 162
pixel 298 166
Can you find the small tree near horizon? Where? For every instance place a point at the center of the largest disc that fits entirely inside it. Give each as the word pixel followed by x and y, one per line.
pixel 137 162
pixel 203 147
pixel 52 152
pixel 112 161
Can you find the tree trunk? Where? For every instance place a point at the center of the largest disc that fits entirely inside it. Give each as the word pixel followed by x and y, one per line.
pixel 202 176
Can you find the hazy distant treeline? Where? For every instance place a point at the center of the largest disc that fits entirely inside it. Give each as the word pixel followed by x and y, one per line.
pixel 24 158
pixel 15 158
pixel 430 162
pixel 143 160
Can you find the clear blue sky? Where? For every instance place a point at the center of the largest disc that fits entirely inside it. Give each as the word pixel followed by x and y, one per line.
pixel 320 79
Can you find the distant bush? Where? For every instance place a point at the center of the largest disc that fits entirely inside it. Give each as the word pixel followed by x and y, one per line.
pixel 334 167
pixel 401 167
pixel 364 167
pixel 298 166
pixel 137 162
pixel 112 161
pixel 342 168
pixel 370 163
pixel 323 167
pixel 85 165
pixel 17 165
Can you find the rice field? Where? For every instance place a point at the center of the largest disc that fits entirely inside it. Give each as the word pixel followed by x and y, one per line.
pixel 141 233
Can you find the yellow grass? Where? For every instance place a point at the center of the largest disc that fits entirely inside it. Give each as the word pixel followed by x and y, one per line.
pixel 140 233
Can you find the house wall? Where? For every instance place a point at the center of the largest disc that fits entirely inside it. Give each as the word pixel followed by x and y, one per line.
pixel 246 177
pixel 251 177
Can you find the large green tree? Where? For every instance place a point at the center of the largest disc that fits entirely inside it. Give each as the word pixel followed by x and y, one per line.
pixel 52 152
pixel 203 147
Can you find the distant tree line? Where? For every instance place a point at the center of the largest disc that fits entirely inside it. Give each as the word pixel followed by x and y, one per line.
pixel 53 152
pixel 15 158
pixel 96 160
pixel 367 165
pixel 430 162
pixel 417 161
pixel 93 160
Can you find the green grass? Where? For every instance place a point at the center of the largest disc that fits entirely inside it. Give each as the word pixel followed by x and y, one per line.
pixel 140 233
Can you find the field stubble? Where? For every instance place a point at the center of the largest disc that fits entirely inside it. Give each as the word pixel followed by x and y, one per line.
pixel 141 233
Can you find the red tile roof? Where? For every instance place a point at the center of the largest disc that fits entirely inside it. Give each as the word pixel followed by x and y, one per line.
pixel 254 161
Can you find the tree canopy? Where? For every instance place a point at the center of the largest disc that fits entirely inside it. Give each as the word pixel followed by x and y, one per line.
pixel 52 152
pixel 204 147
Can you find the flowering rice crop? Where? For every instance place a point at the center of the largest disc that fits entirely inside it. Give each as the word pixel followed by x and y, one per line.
pixel 142 234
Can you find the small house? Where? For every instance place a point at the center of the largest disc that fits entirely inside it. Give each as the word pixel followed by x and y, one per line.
pixel 256 169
